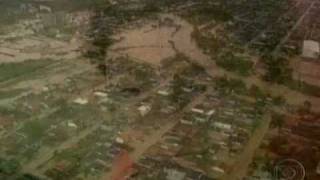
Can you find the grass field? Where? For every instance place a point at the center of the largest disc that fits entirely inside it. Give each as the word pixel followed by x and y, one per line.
pixel 14 70
pixel 10 94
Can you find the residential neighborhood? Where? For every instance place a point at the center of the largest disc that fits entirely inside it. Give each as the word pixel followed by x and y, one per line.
pixel 159 90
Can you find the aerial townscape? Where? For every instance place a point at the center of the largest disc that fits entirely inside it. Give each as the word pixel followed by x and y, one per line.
pixel 159 90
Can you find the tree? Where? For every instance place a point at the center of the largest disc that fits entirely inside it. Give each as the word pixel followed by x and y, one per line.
pixel 35 130
pixel 100 41
pixel 178 93
pixel 256 92
pixel 277 121
pixel 279 100
pixel 231 62
pixel 306 107
pixel 11 166
pixel 28 177
pixel 278 70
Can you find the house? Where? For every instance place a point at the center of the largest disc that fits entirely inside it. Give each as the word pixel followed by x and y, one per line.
pixel 174 174
pixel 100 94
pixel 185 122
pixel 144 109
pixel 211 112
pixel 197 110
pixel 310 49
pixel 72 125
pixel 200 120
pixel 81 101
pixel 119 140
pixel 45 8
pixel 218 170
pixel 222 126
pixel 163 93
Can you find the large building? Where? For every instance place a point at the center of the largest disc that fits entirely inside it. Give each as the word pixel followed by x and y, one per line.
pixel 311 49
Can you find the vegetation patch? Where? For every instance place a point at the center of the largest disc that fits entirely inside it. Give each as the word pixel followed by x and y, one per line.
pixel 231 85
pixel 10 94
pixel 14 70
pixel 303 87
pixel 206 12
pixel 234 63
pixel 277 70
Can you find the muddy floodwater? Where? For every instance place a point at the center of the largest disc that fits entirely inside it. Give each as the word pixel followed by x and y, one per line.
pixel 157 40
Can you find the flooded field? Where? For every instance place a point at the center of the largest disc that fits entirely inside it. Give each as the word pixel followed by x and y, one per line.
pixel 158 40
pixel 154 89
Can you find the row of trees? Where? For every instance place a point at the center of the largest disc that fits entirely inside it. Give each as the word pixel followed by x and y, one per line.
pixel 106 20
pixel 234 63
pixel 277 69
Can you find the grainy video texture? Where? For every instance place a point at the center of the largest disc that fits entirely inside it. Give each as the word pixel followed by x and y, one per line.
pixel 159 90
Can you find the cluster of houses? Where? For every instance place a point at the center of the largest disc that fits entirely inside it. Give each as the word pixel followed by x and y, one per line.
pixel 97 152
pixel 228 123
pixel 32 8
pixel 163 168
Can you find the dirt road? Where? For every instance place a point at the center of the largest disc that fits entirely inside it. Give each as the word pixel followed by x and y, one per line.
pixel 239 171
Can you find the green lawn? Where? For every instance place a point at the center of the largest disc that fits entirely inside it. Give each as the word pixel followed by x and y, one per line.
pixel 14 70
pixel 10 94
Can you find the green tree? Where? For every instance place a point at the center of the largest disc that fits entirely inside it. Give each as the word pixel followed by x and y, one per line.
pixel 178 93
pixel 11 166
pixel 278 70
pixel 279 100
pixel 277 121
pixel 34 130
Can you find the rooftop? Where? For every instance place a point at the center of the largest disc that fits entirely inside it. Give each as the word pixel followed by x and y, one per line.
pixel 311 49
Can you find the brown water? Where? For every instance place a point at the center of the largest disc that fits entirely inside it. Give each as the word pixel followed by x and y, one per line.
pixel 151 42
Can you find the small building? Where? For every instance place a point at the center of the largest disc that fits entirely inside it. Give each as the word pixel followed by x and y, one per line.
pixel 218 170
pixel 81 101
pixel 197 110
pixel 144 109
pixel 44 8
pixel 211 112
pixel 72 125
pixel 119 140
pixel 318 168
pixel 222 126
pixel 100 94
pixel 310 49
pixel 173 174
pixel 163 93
pixel 185 122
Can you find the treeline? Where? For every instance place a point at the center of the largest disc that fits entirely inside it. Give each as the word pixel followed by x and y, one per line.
pixel 235 63
pixel 10 169
pixel 278 71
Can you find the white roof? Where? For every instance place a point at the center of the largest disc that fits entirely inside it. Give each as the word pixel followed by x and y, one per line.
pixel 174 174
pixel 100 94
pixel 197 110
pixel 144 109
pixel 218 169
pixel 182 121
pixel 311 49
pixel 163 92
pixel 81 101
pixel 73 125
pixel 222 125
pixel 211 112
pixel 119 140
